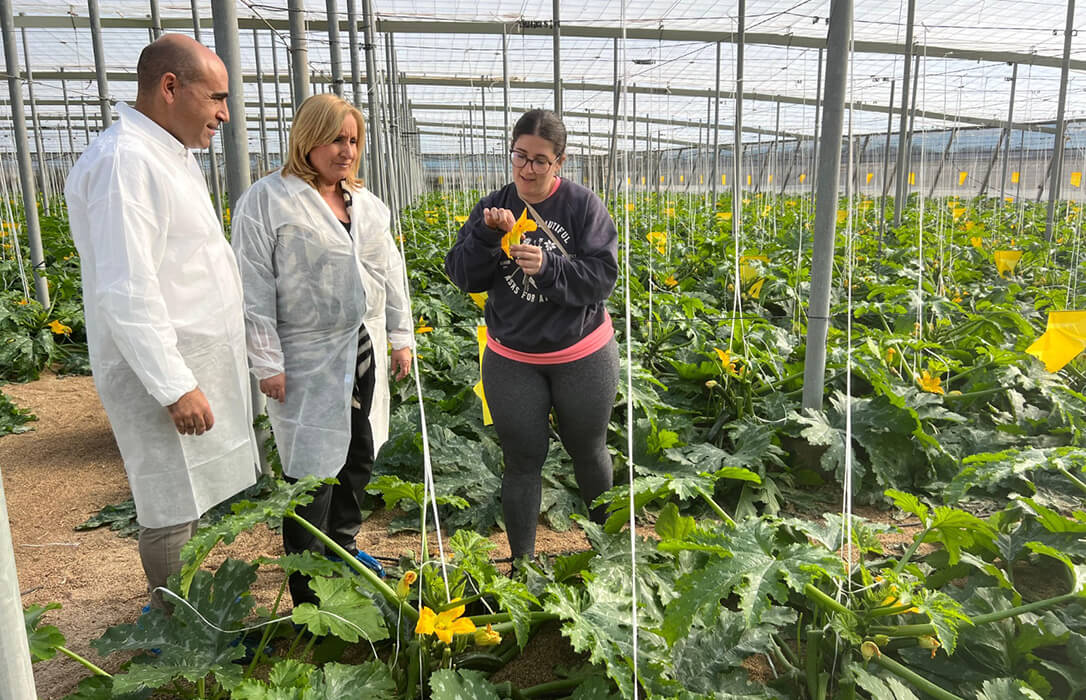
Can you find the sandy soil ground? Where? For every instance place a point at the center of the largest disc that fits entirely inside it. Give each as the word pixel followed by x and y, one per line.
pixel 68 467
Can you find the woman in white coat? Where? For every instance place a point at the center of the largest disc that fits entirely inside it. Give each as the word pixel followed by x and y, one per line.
pixel 324 297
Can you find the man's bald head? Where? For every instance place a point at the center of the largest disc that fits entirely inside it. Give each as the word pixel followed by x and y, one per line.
pixel 172 53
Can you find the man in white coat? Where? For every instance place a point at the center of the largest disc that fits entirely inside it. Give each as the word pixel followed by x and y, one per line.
pixel 163 302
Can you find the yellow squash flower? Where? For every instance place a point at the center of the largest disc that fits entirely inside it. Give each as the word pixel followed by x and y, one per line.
pixel 59 328
pixel 659 240
pixel 423 328
pixel 460 219
pixel 725 358
pixel 406 581
pixel 977 242
pixel 670 211
pixel 444 624
pixel 522 226
pixel 930 384
pixel 671 281
pixel 487 637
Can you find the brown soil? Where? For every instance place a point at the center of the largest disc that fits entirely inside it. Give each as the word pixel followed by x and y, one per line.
pixel 68 467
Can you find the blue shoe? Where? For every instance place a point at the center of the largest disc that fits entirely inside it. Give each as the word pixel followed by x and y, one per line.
pixel 143 611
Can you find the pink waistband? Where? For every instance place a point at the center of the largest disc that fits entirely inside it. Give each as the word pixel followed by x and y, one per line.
pixel 582 348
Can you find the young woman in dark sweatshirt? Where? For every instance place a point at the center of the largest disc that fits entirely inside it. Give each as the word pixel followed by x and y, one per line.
pixel 550 342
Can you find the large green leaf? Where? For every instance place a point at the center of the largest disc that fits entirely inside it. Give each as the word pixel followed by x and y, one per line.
pixel 460 685
pixel 43 639
pixel 343 611
pixel 884 687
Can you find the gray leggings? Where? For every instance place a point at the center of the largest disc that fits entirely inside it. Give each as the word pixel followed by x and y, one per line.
pixel 520 397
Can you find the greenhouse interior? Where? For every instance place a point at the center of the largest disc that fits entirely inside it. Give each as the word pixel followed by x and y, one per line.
pixel 825 256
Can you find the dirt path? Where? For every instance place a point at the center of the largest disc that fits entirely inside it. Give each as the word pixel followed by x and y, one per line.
pixel 65 470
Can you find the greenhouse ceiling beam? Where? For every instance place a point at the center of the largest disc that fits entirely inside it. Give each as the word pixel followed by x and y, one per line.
pixel 571 132
pixel 568 30
pixel 431 106
pixel 432 132
pixel 443 81
pixel 121 76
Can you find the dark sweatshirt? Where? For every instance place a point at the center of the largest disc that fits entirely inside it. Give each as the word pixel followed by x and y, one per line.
pixel 564 302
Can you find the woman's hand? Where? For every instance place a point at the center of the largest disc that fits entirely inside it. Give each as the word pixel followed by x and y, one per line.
pixel 501 219
pixel 401 362
pixel 529 257
pixel 275 387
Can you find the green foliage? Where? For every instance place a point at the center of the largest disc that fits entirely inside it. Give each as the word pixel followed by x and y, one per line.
pixel 43 639
pixel 12 418
pixel 343 611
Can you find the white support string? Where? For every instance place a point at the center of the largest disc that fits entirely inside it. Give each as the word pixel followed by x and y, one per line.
pixel 629 362
pixel 846 487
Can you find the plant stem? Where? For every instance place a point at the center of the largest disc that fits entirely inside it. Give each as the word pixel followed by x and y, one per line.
pixel 918 630
pixel 900 565
pixel 715 506
pixel 552 687
pixel 1074 480
pixel 1028 607
pixel 506 618
pixel 268 629
pixel 914 678
pixel 825 601
pixel 72 655
pixel 380 586
pixel 442 607
pixel 814 661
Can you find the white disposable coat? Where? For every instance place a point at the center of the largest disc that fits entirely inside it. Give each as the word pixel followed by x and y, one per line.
pixel 309 284
pixel 163 307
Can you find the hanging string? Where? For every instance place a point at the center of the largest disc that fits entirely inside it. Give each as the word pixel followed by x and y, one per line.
pixel 628 305
pixel 846 487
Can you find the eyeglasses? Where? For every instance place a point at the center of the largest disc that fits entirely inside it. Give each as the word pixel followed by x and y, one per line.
pixel 535 164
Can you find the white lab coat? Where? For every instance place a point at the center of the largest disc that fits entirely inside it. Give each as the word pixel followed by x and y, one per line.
pixel 163 307
pixel 308 287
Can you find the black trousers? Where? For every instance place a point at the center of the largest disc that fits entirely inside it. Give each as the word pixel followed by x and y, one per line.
pixel 336 509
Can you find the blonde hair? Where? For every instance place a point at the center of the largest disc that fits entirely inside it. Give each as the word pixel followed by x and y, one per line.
pixel 317 123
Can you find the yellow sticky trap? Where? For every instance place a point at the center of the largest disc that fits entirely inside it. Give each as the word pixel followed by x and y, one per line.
pixel 769 180
pixel 755 290
pixel 1014 176
pixel 869 177
pixel 802 177
pixel 642 179
pixel 1076 179
pixel 479 298
pixel 748 179
pixel 723 179
pixel 681 177
pixel 1064 338
pixel 961 177
pixel 1007 260
pixel 627 181
pixel 480 334
pixel 661 178
pixel 701 179
pixel 748 272
pixel 912 178
pixel 441 179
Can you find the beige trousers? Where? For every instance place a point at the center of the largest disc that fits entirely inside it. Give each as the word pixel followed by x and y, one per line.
pixel 160 553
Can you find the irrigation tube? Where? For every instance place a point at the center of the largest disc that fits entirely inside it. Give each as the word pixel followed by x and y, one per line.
pixel 16 676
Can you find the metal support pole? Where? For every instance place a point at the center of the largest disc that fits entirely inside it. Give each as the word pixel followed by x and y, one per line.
pixel 39 143
pixel 829 165
pixel 886 164
pixel 902 186
pixel 235 143
pixel 505 98
pixel 1056 182
pixel 99 63
pixel 26 171
pixel 1007 142
pixel 486 160
pixel 942 162
pixel 279 116
pixel 356 68
pixel 67 113
pixel 299 53
pixel 86 122
pixel 612 171
pixel 156 20
pixel 715 173
pixel 991 163
pixel 737 149
pixel 556 48
pixel 213 159
pixel 818 120
pixel 372 96
pixel 332 13
pixel 264 167
pixel 392 133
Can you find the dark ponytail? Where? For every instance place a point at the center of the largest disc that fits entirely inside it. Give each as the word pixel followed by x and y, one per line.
pixel 546 125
